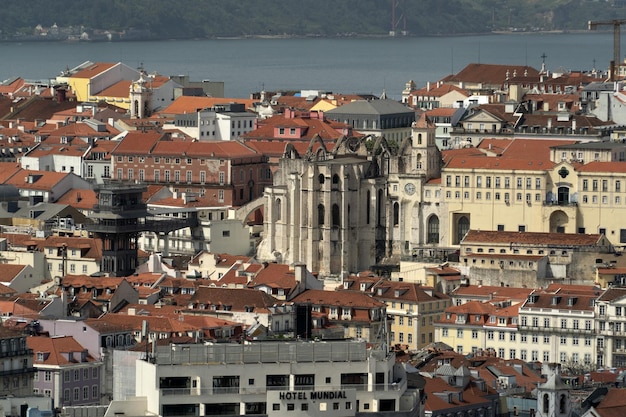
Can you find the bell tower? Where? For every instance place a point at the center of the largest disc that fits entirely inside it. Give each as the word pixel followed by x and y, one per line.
pixel 425 155
pixel 140 98
pixel 553 398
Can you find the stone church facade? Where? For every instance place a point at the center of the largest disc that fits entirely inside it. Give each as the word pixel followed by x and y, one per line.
pixel 365 202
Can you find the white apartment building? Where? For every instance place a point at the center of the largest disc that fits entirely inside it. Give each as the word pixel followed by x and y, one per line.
pixel 329 378
pixel 221 122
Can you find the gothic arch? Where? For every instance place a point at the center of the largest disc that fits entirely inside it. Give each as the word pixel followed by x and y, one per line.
pixel 277 210
pixel 463 226
pixel 432 229
pixel 291 152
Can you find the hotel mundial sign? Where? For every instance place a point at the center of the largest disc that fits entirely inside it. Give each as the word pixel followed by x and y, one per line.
pixel 328 403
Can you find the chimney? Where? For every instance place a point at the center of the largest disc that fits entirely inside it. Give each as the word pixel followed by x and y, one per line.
pixel 428 86
pixel 573 125
pixel 300 272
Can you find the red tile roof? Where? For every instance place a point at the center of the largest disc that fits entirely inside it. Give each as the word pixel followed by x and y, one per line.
pixel 93 70
pixel 56 350
pixel 531 238
pixel 190 104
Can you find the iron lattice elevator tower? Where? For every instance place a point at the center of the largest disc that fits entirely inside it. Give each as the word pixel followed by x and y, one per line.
pixel 118 218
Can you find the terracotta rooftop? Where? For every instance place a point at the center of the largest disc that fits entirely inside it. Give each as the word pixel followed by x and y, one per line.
pixel 530 238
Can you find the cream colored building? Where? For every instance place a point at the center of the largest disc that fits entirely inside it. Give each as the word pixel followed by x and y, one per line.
pixel 482 328
pixel 560 324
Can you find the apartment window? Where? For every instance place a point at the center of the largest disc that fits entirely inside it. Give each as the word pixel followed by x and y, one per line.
pixel 546 340
pixel 166 175
pixel 594 185
pixel 457 180
pixel 497 182
pixel 479 182
pixel 488 182
pixel 563 324
pixel 519 183
pixel 501 335
pixel 490 334
pixel 537 183
pixel 474 334
pixel 507 182
pixel 523 355
pixel 466 181
pixel 202 177
pixel 76 394
pixel 618 186
pixel 563 340
pixel 47 376
pixel 512 337
pixel 605 185
pixel 512 353
pixel 188 175
pixel 459 333
pixel 177 176
pixel 585 185
pixel 120 173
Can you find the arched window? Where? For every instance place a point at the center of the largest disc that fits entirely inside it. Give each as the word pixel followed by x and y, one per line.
pixel 418 163
pixel 546 404
pixel 277 210
pixel 419 138
pixel 336 179
pixel 396 213
pixel 462 228
pixel 433 230
pixel 368 201
pixel 321 178
pixel 320 214
pixel 336 218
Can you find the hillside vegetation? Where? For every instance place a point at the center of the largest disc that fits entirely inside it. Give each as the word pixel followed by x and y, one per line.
pixel 214 18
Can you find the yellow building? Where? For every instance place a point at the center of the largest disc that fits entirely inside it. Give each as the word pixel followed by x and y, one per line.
pixel 89 80
pixel 536 186
pixel 412 309
pixel 483 328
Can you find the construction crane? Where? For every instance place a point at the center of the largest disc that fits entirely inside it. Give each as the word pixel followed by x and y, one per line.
pixel 617 23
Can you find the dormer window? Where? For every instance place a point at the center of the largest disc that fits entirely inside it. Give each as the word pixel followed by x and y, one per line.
pixel 40 356
pixel 64 139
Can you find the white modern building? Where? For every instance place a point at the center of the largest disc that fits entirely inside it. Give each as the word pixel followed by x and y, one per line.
pixel 323 378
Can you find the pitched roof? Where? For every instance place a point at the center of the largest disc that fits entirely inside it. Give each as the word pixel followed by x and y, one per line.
pixel 354 299
pixel 93 70
pixel 56 350
pixel 530 238
pixel 192 104
pixel 372 107
pixel 494 74
pixel 238 299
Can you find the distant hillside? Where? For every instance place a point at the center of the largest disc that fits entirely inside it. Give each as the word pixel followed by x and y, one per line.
pixel 169 19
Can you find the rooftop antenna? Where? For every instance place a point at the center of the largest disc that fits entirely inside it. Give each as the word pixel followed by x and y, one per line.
pixel 452 60
pixel 543 63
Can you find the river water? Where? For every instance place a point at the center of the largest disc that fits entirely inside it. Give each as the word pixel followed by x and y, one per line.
pixel 366 65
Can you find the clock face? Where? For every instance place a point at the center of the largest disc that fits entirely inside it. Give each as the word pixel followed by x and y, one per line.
pixel 409 188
